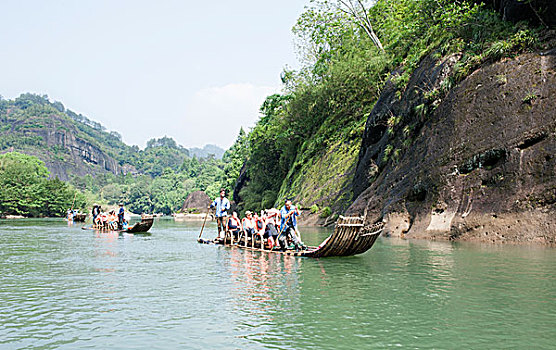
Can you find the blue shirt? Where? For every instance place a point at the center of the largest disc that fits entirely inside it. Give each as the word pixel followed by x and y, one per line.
pixel 222 206
pixel 284 212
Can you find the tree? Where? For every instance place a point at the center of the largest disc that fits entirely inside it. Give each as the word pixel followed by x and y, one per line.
pixel 59 106
pixel 26 190
pixel 194 167
pixel 234 158
pixel 359 15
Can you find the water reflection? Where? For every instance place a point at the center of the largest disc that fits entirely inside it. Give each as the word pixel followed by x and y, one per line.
pixel 264 283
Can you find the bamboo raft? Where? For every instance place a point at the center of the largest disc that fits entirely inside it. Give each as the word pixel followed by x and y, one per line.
pixel 350 237
pixel 79 217
pixel 140 227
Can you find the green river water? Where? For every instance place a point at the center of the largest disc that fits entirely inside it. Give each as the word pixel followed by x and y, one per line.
pixel 63 287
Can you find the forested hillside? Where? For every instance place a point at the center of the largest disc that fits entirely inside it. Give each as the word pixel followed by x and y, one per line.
pixel 374 79
pixel 69 143
pixel 99 164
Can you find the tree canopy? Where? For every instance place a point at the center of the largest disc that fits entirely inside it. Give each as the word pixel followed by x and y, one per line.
pixel 25 188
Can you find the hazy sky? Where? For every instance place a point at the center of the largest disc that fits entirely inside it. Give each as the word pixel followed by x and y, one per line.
pixel 192 70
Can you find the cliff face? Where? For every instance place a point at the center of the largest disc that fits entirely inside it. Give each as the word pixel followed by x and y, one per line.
pixel 79 156
pixel 476 164
pixel 56 140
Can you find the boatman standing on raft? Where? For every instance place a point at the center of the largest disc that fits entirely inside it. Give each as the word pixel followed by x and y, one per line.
pixel 121 213
pixel 222 205
pixel 95 212
pixel 288 226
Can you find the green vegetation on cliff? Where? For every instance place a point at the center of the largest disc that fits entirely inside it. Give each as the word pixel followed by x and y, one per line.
pixel 306 144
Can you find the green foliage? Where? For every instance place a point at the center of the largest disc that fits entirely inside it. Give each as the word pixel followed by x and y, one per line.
pixel 164 174
pixel 25 188
pixel 530 97
pixel 314 209
pixel 24 117
pixel 386 153
pixel 326 212
pixel 154 159
pixel 396 154
pixel 164 193
pixel 234 159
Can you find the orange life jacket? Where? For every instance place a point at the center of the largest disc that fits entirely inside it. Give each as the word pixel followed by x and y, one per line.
pixel 236 222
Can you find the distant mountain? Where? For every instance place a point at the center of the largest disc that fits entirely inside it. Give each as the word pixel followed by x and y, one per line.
pixel 206 151
pixel 71 144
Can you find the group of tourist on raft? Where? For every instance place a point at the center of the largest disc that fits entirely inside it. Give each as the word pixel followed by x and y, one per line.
pixel 109 221
pixel 273 227
pixel 71 213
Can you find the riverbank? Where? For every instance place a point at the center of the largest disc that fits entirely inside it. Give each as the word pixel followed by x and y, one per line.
pixel 12 217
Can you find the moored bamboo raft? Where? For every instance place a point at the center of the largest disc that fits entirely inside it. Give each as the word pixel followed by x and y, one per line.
pixel 350 237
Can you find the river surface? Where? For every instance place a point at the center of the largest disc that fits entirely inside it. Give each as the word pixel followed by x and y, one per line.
pixel 66 288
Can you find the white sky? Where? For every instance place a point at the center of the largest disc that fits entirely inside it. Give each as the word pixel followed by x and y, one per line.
pixel 193 70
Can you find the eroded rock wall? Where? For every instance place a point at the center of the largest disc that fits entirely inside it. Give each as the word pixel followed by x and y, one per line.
pixel 59 144
pixel 80 157
pixel 481 166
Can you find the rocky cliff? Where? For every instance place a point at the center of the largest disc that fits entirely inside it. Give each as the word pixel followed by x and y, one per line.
pixel 450 134
pixel 31 124
pixel 80 156
pixel 478 163
pixel 73 145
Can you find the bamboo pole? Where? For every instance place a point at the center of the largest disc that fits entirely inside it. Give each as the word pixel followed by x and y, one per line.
pixel 203 224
